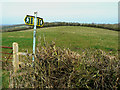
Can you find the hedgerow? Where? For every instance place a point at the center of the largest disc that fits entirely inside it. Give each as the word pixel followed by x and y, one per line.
pixel 62 68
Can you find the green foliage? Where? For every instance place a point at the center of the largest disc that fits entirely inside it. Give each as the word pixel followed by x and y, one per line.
pixel 104 26
pixel 5 79
pixel 62 68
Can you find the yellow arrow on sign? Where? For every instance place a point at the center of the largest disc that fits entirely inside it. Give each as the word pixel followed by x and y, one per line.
pixel 29 20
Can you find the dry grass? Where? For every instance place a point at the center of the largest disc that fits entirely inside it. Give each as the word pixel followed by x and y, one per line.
pixel 57 68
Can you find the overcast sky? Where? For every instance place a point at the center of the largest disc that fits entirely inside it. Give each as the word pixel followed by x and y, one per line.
pixel 59 0
pixel 83 12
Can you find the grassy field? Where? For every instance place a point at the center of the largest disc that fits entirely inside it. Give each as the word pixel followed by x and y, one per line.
pixel 74 37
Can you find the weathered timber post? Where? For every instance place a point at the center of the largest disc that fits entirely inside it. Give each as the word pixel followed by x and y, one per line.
pixel 15 57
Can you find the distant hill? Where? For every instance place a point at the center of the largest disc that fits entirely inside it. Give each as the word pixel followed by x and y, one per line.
pixel 11 28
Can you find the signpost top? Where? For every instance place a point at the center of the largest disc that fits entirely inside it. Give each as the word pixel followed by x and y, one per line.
pixel 35 12
pixel 29 20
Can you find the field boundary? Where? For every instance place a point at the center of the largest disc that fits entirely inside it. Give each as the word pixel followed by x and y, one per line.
pixel 20 27
pixel 6 47
pixel 15 54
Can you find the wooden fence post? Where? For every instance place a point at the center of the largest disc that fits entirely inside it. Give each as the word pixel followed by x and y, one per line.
pixel 15 57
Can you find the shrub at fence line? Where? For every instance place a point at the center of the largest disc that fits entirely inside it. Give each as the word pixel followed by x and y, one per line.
pixel 57 68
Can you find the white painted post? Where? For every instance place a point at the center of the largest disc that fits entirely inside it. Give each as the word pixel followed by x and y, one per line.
pixel 34 34
pixel 15 57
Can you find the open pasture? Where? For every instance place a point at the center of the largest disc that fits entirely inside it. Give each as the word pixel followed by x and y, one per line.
pixel 74 37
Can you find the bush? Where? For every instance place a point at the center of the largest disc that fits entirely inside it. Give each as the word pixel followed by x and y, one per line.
pixel 57 68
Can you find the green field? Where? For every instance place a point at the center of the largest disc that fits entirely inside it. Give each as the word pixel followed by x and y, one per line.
pixel 76 38
pixel 73 37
